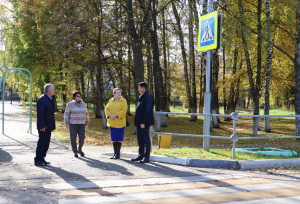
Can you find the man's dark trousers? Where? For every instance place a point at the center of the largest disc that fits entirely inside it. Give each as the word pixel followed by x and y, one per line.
pixel 144 141
pixel 42 145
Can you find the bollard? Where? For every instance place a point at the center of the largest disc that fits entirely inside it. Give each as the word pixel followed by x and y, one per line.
pixel 151 134
pixel 163 120
pixel 104 120
pixel 157 121
pixel 159 139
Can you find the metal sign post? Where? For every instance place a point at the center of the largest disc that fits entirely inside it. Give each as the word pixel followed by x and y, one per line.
pixel 4 77
pixel 208 39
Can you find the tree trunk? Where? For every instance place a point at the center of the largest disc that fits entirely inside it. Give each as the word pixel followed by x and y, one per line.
pixel 201 98
pixel 237 88
pixel 149 67
pixel 99 75
pixel 184 57
pixel 63 89
pixel 297 69
pixel 192 63
pixel 129 78
pixel 136 42
pixel 224 88
pixel 214 88
pixel 93 86
pixel 160 94
pixel 231 106
pixel 166 70
pixel 256 125
pixel 267 125
pixel 203 64
pixel 99 90
pixel 55 103
pixel 254 88
pixel 82 85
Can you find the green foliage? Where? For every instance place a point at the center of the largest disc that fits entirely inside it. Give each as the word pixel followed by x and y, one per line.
pixel 86 45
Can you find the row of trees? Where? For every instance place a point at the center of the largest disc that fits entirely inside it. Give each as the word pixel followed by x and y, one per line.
pixel 94 45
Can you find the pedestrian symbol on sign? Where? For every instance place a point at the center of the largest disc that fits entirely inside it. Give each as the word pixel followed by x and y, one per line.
pixel 207 35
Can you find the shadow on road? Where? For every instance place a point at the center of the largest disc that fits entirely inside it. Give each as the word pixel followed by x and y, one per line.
pixel 5 156
pixel 70 177
pixel 18 141
pixel 108 166
pixel 76 180
pixel 161 169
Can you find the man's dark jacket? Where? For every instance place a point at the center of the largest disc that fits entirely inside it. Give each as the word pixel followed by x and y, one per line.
pixel 144 110
pixel 45 113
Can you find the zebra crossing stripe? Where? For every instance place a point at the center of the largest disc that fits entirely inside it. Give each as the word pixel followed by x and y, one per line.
pixel 164 187
pixel 138 182
pixel 207 195
pixel 227 197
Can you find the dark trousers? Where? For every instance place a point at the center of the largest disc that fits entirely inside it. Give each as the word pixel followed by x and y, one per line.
pixel 42 145
pixel 144 142
pixel 77 129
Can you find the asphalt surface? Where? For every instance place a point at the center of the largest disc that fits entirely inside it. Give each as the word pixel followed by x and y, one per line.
pixel 22 182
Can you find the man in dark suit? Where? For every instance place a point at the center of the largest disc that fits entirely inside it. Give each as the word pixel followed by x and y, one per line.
pixel 143 120
pixel 45 124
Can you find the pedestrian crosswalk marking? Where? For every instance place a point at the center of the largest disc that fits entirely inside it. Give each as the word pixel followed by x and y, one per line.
pixel 228 197
pixel 238 192
pixel 147 181
pixel 166 187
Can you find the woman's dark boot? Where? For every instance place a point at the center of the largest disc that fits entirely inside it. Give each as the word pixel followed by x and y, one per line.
pixel 119 144
pixel 115 145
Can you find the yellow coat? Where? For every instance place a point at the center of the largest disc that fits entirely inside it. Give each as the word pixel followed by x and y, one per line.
pixel 119 108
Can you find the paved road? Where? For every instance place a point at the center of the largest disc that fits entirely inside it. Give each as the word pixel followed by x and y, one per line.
pixel 97 179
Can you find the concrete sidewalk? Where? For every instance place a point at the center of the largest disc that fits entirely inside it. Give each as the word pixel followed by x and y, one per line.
pixel 22 182
pixel 224 164
pixel 19 175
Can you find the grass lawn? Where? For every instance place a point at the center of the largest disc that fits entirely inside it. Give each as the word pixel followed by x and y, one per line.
pixel 222 154
pixel 96 135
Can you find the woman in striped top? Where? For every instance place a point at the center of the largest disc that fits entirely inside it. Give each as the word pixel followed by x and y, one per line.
pixel 77 119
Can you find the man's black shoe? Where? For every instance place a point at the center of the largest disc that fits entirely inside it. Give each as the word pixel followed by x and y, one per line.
pixel 45 162
pixel 137 159
pixel 145 161
pixel 39 163
pixel 76 155
pixel 82 154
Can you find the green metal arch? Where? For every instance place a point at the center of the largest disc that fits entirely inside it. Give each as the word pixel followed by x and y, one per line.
pixel 4 77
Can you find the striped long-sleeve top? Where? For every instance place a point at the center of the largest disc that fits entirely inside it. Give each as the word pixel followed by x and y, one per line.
pixel 76 113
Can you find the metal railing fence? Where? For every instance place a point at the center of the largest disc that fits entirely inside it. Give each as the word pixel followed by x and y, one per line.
pixel 234 137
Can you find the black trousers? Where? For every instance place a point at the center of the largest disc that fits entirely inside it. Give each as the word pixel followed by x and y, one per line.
pixel 76 129
pixel 42 145
pixel 144 142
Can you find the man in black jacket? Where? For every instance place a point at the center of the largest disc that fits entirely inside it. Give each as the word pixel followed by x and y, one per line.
pixel 143 120
pixel 45 124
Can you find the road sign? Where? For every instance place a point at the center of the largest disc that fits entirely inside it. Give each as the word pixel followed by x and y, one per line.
pixel 209 32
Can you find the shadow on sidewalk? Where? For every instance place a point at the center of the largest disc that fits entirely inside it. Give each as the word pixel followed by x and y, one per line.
pixel 77 181
pixel 60 144
pixel 108 166
pixel 18 141
pixel 5 156
pixel 71 178
pixel 170 172
pixel 161 169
